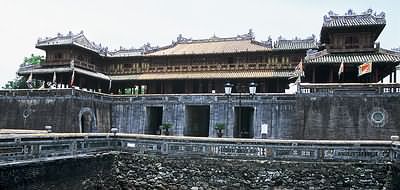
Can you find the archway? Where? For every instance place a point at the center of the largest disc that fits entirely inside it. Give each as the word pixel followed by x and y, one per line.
pixel 87 121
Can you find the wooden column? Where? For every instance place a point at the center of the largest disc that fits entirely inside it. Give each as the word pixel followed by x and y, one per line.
pixel 277 85
pixel 395 75
pixel 209 86
pixel 162 87
pixel 313 74
pixel 330 74
pixel 200 87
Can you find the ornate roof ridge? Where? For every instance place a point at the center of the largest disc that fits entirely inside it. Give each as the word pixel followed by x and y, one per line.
pixel 296 43
pixel 391 52
pixel 377 55
pixel 71 38
pixel 351 15
pixel 248 36
pixel 312 54
pixel 311 38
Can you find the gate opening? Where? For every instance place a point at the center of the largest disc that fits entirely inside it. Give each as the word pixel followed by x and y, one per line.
pixel 197 121
pixel 154 120
pixel 244 122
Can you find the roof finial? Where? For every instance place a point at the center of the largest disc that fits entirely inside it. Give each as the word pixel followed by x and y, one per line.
pixel 381 15
pixel 251 33
pixel 350 12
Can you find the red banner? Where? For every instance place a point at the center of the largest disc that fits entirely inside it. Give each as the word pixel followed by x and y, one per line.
pixel 365 68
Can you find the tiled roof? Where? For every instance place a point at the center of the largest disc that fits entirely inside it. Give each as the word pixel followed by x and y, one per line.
pixel 126 52
pixel 352 19
pixel 22 71
pixel 72 39
pixel 210 46
pixel 204 75
pixel 381 56
pixel 296 44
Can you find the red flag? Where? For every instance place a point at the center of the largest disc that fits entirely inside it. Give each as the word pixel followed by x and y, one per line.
pixel 341 69
pixel 365 68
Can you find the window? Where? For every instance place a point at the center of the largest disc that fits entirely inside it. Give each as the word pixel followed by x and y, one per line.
pixel 351 42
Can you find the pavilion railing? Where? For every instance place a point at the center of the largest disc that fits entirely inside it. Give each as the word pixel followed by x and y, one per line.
pixel 336 88
pixel 43 146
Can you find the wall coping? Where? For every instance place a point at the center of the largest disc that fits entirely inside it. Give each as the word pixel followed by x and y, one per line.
pixel 20 147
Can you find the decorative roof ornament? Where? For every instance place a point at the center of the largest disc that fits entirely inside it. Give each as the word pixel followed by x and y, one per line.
pixel 350 12
pixel 350 18
pixel 214 37
pixel 248 36
pixel 296 43
pixel 368 12
pixel 268 43
pixel 381 15
pixel 312 37
pixel 251 33
pixel 331 13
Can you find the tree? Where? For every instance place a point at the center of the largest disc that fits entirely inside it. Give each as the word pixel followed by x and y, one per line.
pixel 33 60
pixel 20 82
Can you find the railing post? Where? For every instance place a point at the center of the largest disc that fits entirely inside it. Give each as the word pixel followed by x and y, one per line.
pixel 164 148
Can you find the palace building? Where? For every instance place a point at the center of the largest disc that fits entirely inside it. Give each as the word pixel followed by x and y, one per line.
pixel 338 94
pixel 205 65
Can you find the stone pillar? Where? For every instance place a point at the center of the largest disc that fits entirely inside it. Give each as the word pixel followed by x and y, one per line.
pixel 231 118
pixel 175 115
pixel 330 74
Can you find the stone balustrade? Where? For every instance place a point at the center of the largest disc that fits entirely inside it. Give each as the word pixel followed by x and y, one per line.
pixel 26 147
pixel 331 88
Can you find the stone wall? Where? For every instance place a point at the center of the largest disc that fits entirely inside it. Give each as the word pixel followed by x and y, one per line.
pixel 157 172
pixel 62 174
pixel 277 111
pixel 348 116
pixel 302 116
pixel 60 109
pixel 135 171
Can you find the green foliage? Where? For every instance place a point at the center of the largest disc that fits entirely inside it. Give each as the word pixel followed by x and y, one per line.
pixel 20 83
pixel 219 126
pixel 166 126
pixel 33 60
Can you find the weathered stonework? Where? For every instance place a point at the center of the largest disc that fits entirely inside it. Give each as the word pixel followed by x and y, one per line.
pixel 136 171
pixel 288 116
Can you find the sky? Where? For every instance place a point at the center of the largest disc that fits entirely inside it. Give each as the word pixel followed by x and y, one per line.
pixel 133 23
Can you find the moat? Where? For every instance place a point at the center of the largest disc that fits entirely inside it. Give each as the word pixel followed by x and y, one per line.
pixel 138 171
pixel 129 161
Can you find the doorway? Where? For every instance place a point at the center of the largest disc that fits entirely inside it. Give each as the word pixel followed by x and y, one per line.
pixel 197 121
pixel 244 118
pixel 87 121
pixel 154 120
